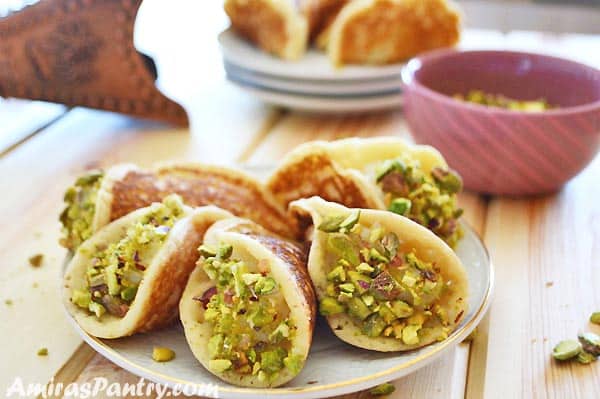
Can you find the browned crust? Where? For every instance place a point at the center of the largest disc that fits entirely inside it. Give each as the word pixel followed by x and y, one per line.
pixel 162 307
pixel 258 23
pixel 293 255
pixel 199 186
pixel 320 14
pixel 407 27
pixel 316 175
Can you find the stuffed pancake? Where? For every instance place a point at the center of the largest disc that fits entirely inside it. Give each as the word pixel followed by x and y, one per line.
pixel 377 173
pixel 128 277
pixel 248 310
pixel 383 282
pixel 389 31
pixel 100 197
pixel 276 26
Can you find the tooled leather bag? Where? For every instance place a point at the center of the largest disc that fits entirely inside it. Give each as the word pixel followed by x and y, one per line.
pixel 81 53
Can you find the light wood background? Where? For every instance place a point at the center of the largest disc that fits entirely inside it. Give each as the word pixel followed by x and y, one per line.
pixel 545 249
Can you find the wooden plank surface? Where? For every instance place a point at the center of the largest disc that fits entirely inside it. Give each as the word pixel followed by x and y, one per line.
pixel 546 255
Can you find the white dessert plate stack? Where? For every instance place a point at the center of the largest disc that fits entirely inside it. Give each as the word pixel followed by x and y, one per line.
pixel 311 83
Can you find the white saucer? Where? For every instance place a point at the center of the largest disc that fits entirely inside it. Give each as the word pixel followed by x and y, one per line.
pixel 314 65
pixel 324 103
pixel 315 87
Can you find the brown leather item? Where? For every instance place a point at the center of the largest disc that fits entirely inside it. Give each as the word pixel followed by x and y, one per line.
pixel 81 52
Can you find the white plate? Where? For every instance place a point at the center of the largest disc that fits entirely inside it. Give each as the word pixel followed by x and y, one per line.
pixel 332 368
pixel 322 104
pixel 314 87
pixel 314 65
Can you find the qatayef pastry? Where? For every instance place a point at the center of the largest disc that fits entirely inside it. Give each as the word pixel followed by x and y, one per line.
pixel 383 282
pixel 378 173
pixel 101 197
pixel 129 276
pixel 248 309
pixel 275 26
pixel 388 31
pixel 320 15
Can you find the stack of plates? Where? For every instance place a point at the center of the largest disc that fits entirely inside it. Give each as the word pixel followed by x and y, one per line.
pixel 311 83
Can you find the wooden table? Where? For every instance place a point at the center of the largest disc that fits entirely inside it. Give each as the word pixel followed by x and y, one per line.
pixel 545 249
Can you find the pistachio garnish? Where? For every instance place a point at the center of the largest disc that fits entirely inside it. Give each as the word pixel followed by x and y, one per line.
pixel 400 206
pixel 333 224
pixel 566 350
pixel 595 318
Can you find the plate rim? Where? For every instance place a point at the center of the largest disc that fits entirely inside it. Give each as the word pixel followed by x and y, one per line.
pixel 327 105
pixel 346 73
pixel 357 89
pixel 328 390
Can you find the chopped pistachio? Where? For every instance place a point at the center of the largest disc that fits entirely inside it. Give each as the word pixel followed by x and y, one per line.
pixel 350 221
pixel 36 260
pixel 251 278
pixel 390 243
pixel 331 224
pixel 337 274
pixel 265 285
pixel 206 251
pixel 42 352
pixel 220 365
pixel 329 306
pixel 500 101
pixel 365 268
pixel 8 302
pixel 595 318
pixel 401 309
pixel 389 166
pixel 162 354
pixel 590 343
pixel 410 334
pixel 400 206
pixel 347 287
pixel 224 251
pixel 368 299
pixel 383 389
pixel 566 350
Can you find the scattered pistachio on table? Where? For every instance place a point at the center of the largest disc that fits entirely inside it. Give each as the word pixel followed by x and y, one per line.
pixel 383 389
pixel 590 343
pixel 566 350
pixel 36 260
pixel 42 352
pixel 8 302
pixel 586 350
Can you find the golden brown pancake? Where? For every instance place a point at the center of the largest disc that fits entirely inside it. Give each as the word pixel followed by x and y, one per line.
pixel 347 172
pixel 388 31
pixel 125 188
pixel 275 26
pixel 320 15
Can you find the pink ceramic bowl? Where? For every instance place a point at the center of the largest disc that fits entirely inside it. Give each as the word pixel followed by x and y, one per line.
pixel 500 151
